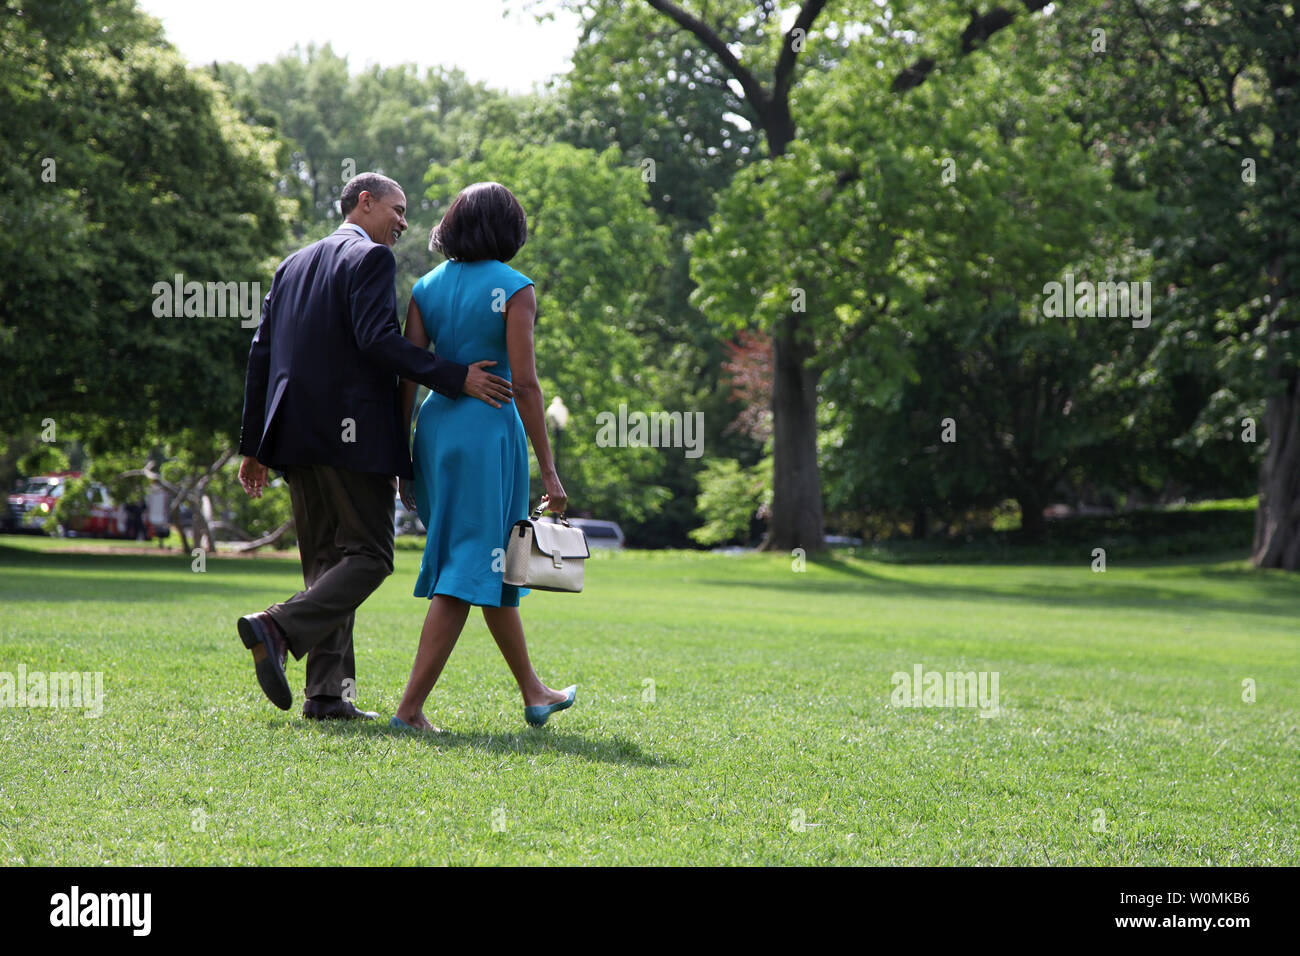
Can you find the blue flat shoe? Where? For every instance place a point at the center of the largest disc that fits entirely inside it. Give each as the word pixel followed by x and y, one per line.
pixel 398 724
pixel 537 714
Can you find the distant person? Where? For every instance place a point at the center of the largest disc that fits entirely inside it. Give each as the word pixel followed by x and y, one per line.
pixel 321 405
pixel 471 462
pixel 135 529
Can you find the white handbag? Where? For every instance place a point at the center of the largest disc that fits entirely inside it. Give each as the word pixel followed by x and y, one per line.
pixel 548 554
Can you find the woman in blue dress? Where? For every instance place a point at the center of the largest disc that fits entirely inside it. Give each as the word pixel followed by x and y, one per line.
pixel 471 459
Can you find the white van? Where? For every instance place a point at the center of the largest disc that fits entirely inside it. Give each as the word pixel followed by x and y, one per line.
pixel 600 534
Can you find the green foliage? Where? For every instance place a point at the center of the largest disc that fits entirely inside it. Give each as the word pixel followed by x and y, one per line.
pixel 394 120
pixel 594 251
pixel 192 464
pixel 1209 528
pixel 923 294
pixel 1222 504
pixel 124 169
pixel 920 233
pixel 44 459
pixel 1197 105
pixel 403 123
pixel 335 124
pixel 730 498
pixel 74 505
pixel 254 516
pixel 640 83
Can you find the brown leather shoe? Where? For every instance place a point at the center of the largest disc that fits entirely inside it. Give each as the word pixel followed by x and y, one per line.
pixel 335 709
pixel 263 637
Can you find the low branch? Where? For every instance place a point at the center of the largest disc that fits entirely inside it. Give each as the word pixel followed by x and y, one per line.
pixel 147 472
pixel 264 540
pixel 192 491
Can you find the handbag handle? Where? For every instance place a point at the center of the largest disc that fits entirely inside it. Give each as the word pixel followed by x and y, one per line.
pixel 537 513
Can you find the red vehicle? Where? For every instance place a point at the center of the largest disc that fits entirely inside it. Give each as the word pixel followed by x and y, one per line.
pixel 30 507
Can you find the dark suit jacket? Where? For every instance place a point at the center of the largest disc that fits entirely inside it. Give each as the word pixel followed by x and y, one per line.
pixel 322 384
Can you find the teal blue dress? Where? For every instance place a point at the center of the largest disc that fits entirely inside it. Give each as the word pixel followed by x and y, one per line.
pixel 471 460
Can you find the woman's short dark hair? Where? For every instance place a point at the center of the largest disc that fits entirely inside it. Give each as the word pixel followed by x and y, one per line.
pixel 484 222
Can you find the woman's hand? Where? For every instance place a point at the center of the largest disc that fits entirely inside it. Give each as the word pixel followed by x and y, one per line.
pixel 406 488
pixel 555 499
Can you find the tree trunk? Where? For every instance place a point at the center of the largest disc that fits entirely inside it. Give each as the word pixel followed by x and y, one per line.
pixel 176 523
pixel 202 533
pixel 1032 523
pixel 209 542
pixel 796 488
pixel 1277 521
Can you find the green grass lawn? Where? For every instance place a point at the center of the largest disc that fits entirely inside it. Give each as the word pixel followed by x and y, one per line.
pixel 1122 735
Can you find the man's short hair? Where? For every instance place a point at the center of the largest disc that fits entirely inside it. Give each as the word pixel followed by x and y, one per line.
pixel 484 222
pixel 377 184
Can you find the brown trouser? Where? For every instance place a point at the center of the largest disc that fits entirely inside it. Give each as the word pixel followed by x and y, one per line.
pixel 344 523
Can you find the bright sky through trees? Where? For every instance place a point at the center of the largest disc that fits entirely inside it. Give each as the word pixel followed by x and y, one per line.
pixel 509 52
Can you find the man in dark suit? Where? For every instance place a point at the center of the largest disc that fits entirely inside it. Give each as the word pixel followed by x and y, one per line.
pixel 321 405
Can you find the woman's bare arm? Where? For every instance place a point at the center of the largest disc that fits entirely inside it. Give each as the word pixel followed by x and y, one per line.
pixel 416 335
pixel 521 313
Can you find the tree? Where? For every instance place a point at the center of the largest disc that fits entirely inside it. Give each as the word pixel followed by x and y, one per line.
pixel 670 109
pixel 953 382
pixel 121 169
pixel 766 97
pixel 1200 103
pixel 403 122
pixel 730 497
pixel 395 120
pixel 594 248
pixel 673 116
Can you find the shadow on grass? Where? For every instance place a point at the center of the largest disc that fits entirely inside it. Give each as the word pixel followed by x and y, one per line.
pixel 613 750
pixel 118 578
pixel 1267 594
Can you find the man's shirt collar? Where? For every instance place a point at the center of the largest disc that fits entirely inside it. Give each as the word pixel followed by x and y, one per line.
pixel 352 225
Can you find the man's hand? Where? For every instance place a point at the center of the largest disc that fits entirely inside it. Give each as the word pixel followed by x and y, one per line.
pixel 252 475
pixel 485 386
